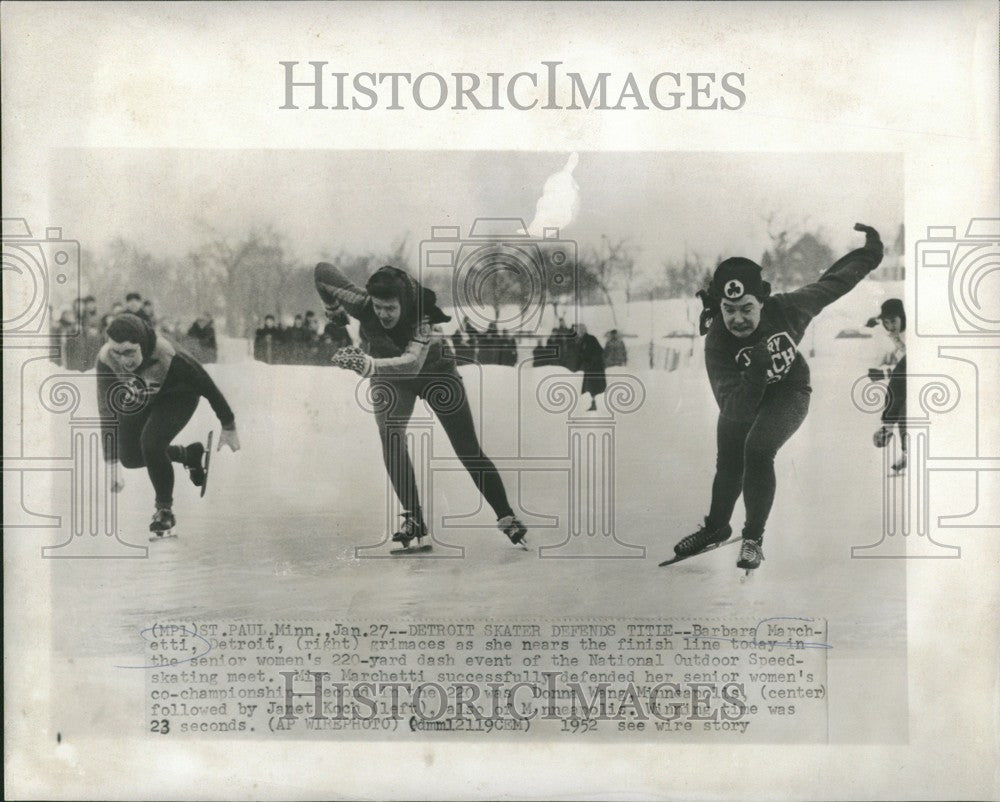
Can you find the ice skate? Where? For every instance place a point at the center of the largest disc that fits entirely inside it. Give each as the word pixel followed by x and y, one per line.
pixel 706 537
pixel 751 554
pixel 514 530
pixel 898 467
pixel 194 461
pixel 411 529
pixel 162 524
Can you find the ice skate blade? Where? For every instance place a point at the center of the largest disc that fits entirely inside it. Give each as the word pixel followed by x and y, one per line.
pixel 713 547
pixel 208 461
pixel 165 535
pixel 747 574
pixel 411 550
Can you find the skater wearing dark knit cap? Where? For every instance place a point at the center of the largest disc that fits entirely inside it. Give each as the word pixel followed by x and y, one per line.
pixel 147 390
pixel 761 384
pixel 406 358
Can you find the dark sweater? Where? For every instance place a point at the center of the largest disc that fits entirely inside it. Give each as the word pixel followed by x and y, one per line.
pixel 409 350
pixel 168 371
pixel 784 318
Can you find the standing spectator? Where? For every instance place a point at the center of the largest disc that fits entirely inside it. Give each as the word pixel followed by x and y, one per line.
pixel 615 352
pixel 538 357
pixel 511 348
pixel 458 346
pixel 265 341
pixel 150 314
pixel 63 329
pixel 84 341
pixel 201 336
pixel 591 361
pixel 312 325
pixel 297 338
pixel 133 305
pixel 310 340
pixel 90 311
pixel 488 345
pixel 472 333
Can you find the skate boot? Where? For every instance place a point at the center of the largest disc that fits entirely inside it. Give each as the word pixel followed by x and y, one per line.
pixel 163 521
pixel 900 465
pixel 706 537
pixel 751 554
pixel 514 529
pixel 412 528
pixel 194 461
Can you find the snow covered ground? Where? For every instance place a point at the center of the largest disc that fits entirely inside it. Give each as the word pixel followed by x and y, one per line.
pixel 276 536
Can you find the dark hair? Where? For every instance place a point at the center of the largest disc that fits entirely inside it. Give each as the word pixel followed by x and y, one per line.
pixel 387 284
pixel 132 328
pixel 133 296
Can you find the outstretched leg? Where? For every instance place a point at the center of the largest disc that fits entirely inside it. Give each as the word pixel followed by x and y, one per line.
pixel 728 483
pixel 393 408
pixel 446 396
pixel 778 419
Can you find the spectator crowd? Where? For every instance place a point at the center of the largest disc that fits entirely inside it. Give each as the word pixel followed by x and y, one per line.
pixel 301 343
pixel 79 332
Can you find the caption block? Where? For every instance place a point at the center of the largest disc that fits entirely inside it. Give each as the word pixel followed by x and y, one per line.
pixel 686 680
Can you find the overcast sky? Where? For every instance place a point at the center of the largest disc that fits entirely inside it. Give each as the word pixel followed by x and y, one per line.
pixel 712 203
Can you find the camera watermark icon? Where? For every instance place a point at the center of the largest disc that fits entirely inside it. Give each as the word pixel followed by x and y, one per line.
pixel 53 444
pixel 498 267
pixel 966 271
pixel 30 266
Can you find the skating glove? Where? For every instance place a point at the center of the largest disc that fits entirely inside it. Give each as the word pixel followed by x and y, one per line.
pixel 353 358
pixel 872 239
pixel 882 436
pixel 115 480
pixel 876 374
pixel 229 438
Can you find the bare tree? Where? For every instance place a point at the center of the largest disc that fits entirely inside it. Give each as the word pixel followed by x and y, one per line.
pixel 607 267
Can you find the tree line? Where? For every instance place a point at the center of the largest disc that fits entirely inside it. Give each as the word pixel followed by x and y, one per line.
pixel 243 279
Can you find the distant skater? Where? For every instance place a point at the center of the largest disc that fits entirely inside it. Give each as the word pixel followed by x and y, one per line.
pixel 406 359
pixel 761 383
pixel 147 390
pixel 892 316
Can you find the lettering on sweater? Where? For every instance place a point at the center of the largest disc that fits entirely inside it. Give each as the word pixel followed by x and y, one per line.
pixel 782 350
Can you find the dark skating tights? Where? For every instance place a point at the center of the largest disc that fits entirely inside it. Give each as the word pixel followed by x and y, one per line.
pixel 745 458
pixel 144 440
pixel 445 395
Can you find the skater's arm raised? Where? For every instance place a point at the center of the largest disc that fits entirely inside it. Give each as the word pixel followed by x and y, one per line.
pixel 838 280
pixel 738 392
pixel 186 370
pixel 336 289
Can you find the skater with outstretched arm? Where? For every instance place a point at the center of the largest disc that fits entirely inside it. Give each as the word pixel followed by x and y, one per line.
pixel 147 390
pixel 761 384
pixel 405 358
